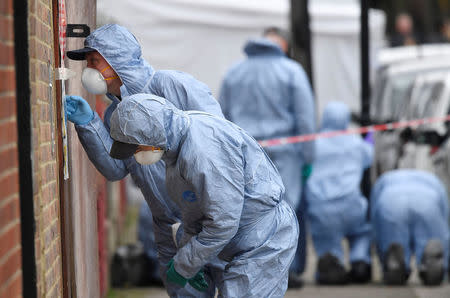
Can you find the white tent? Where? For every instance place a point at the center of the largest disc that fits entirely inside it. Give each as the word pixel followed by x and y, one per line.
pixel 201 37
pixel 335 31
pixel 205 37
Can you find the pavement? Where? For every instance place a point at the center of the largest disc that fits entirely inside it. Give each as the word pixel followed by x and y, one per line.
pixel 376 289
pixel 313 291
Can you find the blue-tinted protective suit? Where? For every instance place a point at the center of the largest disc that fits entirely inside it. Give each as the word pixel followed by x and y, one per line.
pixel 269 96
pixel 335 206
pixel 409 207
pixel 122 51
pixel 228 190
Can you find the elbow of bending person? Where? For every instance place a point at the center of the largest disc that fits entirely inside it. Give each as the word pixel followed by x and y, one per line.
pixel 114 176
pixel 112 173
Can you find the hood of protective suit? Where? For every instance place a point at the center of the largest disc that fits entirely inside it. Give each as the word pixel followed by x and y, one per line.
pixel 262 46
pixel 122 51
pixel 147 119
pixel 336 116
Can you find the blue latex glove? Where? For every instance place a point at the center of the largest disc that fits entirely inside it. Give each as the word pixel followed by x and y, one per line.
pixel 78 110
pixel 306 172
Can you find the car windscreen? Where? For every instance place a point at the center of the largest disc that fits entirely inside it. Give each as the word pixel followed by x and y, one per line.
pixel 396 97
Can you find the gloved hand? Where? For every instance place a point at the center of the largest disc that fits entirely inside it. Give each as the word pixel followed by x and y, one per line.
pixel 198 282
pixel 78 110
pixel 174 276
pixel 306 172
pixel 369 138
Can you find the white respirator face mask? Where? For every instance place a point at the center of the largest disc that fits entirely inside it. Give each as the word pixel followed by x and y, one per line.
pixel 93 80
pixel 148 157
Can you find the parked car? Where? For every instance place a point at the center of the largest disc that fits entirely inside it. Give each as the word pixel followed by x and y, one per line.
pixel 392 88
pixel 430 98
pixel 390 56
pixel 396 83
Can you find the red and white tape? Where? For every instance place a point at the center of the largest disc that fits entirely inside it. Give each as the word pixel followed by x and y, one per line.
pixel 62 27
pixel 360 130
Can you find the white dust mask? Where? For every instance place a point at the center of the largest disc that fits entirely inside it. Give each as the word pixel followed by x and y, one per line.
pixel 148 157
pixel 93 80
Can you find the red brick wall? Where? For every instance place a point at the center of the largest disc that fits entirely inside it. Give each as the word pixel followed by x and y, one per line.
pixel 80 191
pixel 44 147
pixel 10 248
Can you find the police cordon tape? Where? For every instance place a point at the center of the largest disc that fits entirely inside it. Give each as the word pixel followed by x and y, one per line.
pixel 359 130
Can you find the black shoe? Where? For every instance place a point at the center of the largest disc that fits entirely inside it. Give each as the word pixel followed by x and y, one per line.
pixel 120 267
pixel 137 264
pixel 330 271
pixel 295 281
pixel 360 273
pixel 394 267
pixel 131 267
pixel 431 269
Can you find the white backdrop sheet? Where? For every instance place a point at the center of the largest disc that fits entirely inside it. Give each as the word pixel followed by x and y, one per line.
pixel 201 37
pixel 335 31
pixel 205 37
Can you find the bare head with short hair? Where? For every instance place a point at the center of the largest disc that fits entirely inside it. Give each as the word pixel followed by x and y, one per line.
pixel 404 23
pixel 279 36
